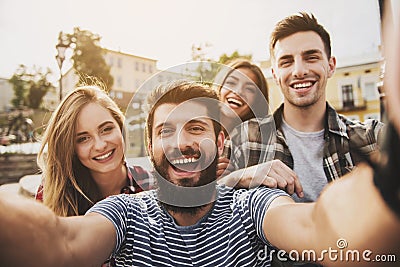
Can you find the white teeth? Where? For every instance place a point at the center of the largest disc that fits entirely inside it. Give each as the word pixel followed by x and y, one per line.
pixel 104 156
pixel 183 161
pixel 235 101
pixel 302 85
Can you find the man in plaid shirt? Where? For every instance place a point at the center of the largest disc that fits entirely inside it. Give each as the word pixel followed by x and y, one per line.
pixel 305 144
pixel 262 140
pixel 305 132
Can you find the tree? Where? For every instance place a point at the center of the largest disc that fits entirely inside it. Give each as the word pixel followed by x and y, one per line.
pixel 19 86
pixel 38 88
pixel 224 58
pixel 88 56
pixel 208 68
pixel 30 86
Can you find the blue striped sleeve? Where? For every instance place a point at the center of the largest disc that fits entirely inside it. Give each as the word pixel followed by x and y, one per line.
pixel 114 208
pixel 259 201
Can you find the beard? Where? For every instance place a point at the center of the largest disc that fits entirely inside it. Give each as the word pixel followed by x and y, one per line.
pixel 187 197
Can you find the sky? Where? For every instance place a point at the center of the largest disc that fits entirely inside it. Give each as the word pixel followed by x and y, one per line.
pixel 165 30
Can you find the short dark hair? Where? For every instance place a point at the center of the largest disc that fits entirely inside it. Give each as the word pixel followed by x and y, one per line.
pixel 299 23
pixel 177 92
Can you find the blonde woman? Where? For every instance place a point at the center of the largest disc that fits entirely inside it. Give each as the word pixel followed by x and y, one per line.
pixel 82 154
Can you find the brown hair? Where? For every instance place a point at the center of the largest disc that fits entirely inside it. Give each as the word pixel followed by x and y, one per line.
pixel 178 92
pixel 259 109
pixel 68 186
pixel 299 23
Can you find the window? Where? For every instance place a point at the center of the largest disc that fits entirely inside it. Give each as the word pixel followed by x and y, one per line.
pixel 143 67
pixel 137 66
pixel 119 81
pixel 119 95
pixel 348 96
pixel 119 63
pixel 370 91
pixel 150 68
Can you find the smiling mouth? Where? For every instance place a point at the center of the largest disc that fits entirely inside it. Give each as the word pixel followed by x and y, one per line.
pixel 235 102
pixel 104 156
pixel 188 164
pixel 303 85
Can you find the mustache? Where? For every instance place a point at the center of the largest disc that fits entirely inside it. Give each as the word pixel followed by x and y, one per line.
pixel 187 197
pixel 189 151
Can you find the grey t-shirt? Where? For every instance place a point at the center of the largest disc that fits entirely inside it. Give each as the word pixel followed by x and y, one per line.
pixel 307 150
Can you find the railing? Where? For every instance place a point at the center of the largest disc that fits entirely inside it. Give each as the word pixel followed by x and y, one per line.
pixel 15 166
pixel 340 106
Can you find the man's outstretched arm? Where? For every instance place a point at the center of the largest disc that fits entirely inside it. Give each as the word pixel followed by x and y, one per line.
pixel 350 212
pixel 31 235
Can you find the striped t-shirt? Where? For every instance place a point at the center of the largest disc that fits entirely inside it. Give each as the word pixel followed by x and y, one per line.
pixel 229 235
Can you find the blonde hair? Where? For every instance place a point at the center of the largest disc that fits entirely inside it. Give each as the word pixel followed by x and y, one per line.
pixel 68 186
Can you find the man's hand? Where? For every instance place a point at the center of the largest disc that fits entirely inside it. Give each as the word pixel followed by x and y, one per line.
pixel 273 174
pixel 223 167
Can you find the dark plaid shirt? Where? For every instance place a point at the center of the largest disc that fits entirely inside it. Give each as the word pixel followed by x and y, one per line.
pixel 261 139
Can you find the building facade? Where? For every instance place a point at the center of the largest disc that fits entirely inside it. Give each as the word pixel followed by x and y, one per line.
pixel 353 90
pixel 7 94
pixel 129 73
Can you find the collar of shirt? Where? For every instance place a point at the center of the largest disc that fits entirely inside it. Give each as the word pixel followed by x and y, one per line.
pixel 333 123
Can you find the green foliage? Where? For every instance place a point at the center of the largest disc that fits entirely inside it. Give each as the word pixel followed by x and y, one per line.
pixel 19 86
pixel 38 89
pixel 205 69
pixel 88 56
pixel 30 86
pixel 224 58
pixel 208 68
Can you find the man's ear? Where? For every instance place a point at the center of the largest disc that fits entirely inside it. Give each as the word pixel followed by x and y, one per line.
pixel 274 75
pixel 220 142
pixel 149 148
pixel 332 66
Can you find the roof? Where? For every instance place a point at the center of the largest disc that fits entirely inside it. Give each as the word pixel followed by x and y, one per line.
pixel 127 54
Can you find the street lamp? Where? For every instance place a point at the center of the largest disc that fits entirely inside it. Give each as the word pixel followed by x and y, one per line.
pixel 60 57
